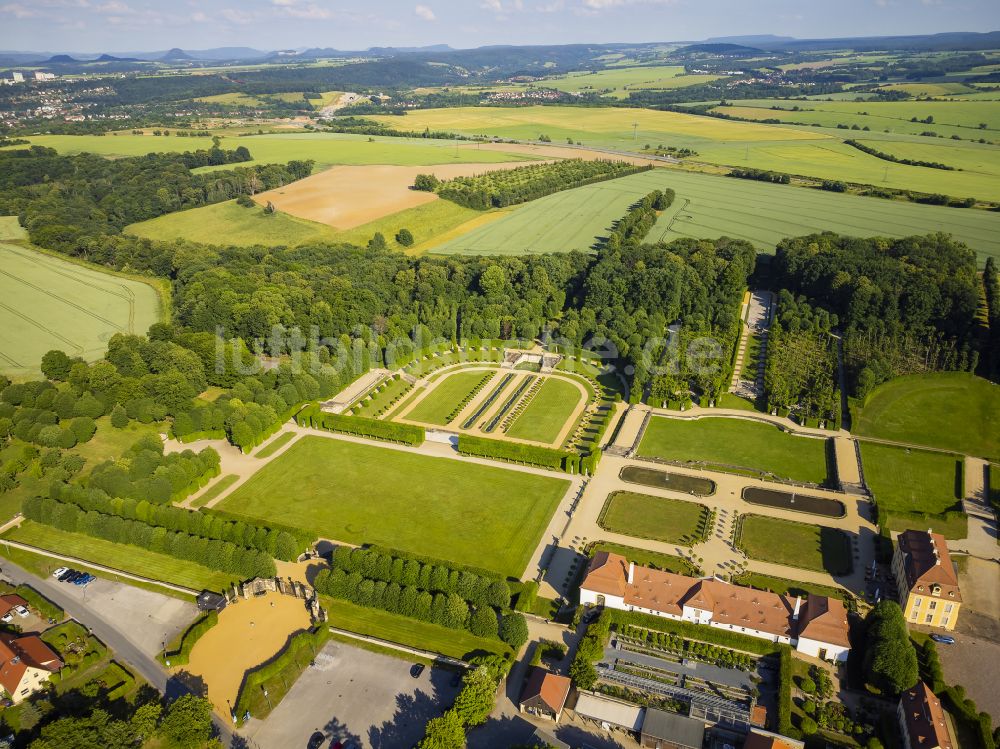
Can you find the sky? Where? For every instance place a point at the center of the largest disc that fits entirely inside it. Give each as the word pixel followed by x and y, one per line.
pixel 148 25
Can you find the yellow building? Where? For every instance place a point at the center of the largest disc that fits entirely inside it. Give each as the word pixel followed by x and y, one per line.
pixel 926 579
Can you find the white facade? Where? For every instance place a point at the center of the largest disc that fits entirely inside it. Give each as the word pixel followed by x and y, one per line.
pixel 824 650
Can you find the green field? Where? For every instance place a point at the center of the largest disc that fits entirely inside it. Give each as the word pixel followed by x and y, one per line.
pixel 326 149
pixel 438 405
pixel 404 630
pixel 217 488
pixel 48 303
pixel 810 547
pixel 548 411
pixel 132 559
pixel 709 207
pixel 619 81
pixel 736 444
pixel 231 224
pixel 11 229
pixel 960 118
pixel 948 410
pixel 673 521
pixel 904 480
pixel 449 509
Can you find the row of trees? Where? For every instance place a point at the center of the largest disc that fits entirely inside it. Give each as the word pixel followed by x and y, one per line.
pixel 761 175
pixel 895 159
pixel 278 543
pixel 217 555
pixel 436 577
pixel 504 187
pixel 472 707
pixel 516 452
pixel 633 227
pixel 991 284
pixel 407 434
pixel 800 374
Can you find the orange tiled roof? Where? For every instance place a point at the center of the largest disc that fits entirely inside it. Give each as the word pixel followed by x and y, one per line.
pixel 924 719
pixel 550 688
pixel 17 654
pixel 824 619
pixel 927 563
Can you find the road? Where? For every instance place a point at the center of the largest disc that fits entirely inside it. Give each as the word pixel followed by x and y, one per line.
pixel 148 668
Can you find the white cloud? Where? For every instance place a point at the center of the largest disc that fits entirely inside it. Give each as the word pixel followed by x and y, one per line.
pixel 308 12
pixel 500 7
pixel 17 10
pixel 603 4
pixel 235 16
pixel 424 12
pixel 115 7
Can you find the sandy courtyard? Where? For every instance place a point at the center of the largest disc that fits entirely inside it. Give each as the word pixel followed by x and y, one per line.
pixel 248 633
pixel 348 196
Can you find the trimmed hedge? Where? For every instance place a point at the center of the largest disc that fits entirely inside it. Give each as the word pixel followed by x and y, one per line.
pixel 693 631
pixel 514 452
pixel 181 653
pixel 40 603
pixel 252 680
pixel 360 426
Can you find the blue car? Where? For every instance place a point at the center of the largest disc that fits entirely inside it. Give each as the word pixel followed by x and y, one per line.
pixel 943 639
pixel 85 578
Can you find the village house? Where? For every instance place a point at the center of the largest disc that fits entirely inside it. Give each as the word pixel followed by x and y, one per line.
pixel 922 724
pixel 25 664
pixel 926 579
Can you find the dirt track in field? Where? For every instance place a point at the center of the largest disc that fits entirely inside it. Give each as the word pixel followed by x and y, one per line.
pixel 348 196
pixel 248 633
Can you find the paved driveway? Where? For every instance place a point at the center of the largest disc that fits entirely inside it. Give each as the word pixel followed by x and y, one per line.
pixel 353 694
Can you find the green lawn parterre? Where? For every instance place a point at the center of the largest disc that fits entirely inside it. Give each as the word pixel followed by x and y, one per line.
pixel 673 521
pixel 548 412
pixel 472 514
pixel 811 547
pixel 644 558
pixel 739 443
pixel 905 480
pixel 439 404
pixel 948 410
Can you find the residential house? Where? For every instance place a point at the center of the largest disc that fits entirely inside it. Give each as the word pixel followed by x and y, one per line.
pixel 921 719
pixel 926 579
pixel 544 694
pixel 25 664
pixel 758 739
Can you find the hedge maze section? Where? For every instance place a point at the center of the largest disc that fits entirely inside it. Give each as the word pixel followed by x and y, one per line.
pixel 48 303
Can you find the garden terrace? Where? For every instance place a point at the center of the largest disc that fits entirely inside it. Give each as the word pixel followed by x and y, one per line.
pixel 448 396
pixel 739 446
pixel 672 521
pixel 489 400
pixel 678 482
pixel 813 505
pixel 795 544
pixel 509 403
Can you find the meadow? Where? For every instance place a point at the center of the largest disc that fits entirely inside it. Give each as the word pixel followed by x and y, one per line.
pixel 618 81
pixel 948 410
pixel 326 149
pixel 707 207
pixel 736 444
pixel 457 510
pixel 905 480
pixel 809 547
pixel 47 303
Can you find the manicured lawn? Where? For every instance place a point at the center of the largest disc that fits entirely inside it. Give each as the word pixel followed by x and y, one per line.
pixel 737 443
pixel 795 544
pixel 406 631
pixel 216 489
pixel 109 443
pixel 274 445
pixel 644 558
pixel 673 521
pixel 389 392
pixel 473 514
pixel 912 480
pixel 132 559
pixel 548 412
pixel 439 404
pixel 787 587
pixel 949 410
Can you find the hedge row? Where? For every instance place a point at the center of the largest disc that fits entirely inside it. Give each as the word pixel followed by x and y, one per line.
pixel 895 159
pixel 40 603
pixel 313 639
pixel 360 426
pixel 375 564
pixel 279 543
pixel 460 406
pixel 693 631
pixel 224 556
pixel 181 653
pixel 545 457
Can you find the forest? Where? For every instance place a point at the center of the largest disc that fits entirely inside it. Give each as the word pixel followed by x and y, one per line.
pixel 904 306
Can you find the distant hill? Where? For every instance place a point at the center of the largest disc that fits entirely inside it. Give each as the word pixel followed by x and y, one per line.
pixel 112 58
pixel 751 40
pixel 62 60
pixel 951 40
pixel 176 54
pixel 723 50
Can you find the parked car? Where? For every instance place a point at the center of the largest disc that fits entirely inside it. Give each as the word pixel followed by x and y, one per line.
pixel 66 575
pixel 8 617
pixel 60 572
pixel 84 579
pixel 21 611
pixel 416 670
pixel 943 639
pixel 72 577
pixel 316 740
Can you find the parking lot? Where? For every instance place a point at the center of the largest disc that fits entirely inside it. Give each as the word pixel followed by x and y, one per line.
pixel 355 695
pixel 147 619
